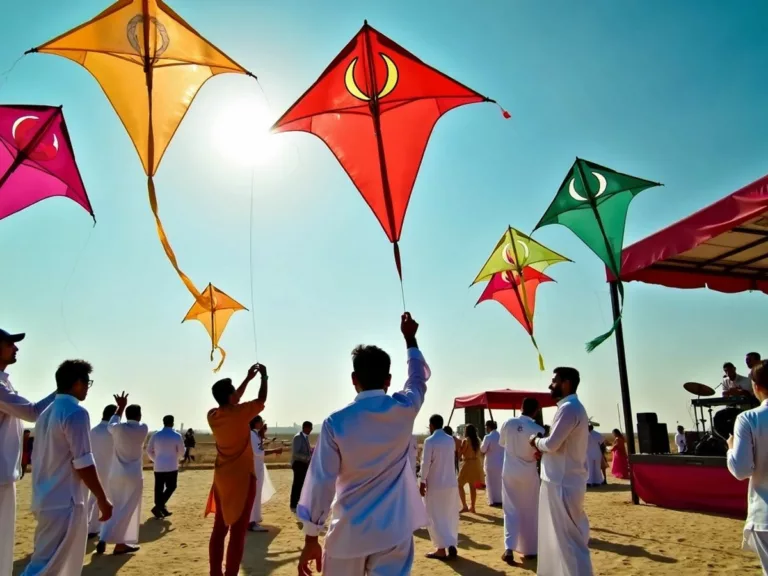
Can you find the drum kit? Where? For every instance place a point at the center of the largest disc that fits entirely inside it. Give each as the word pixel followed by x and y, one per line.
pixel 713 442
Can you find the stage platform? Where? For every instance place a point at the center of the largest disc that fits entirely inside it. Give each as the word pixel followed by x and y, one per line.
pixel 699 483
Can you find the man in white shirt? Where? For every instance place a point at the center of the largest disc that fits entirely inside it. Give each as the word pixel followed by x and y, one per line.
pixel 103 452
pixel 595 458
pixel 682 446
pixel 748 458
pixel 126 482
pixel 13 410
pixel 64 470
pixel 493 463
pixel 165 448
pixel 438 487
pixel 361 465
pixel 520 475
pixel 563 524
pixel 735 384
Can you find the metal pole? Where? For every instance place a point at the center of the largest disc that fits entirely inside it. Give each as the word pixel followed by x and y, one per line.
pixel 451 416
pixel 624 382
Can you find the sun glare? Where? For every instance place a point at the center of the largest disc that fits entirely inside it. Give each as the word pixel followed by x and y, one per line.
pixel 241 133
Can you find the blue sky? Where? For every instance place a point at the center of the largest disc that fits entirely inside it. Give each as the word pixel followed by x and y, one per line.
pixel 668 91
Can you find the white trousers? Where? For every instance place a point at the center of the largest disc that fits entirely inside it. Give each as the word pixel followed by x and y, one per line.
pixel 7 527
pixel 521 512
pixel 595 470
pixel 60 539
pixel 396 561
pixel 94 526
pixel 443 506
pixel 493 485
pixel 123 527
pixel 757 542
pixel 563 531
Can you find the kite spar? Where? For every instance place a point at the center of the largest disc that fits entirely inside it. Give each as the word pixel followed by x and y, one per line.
pixel 515 269
pixel 375 107
pixel 150 64
pixel 593 202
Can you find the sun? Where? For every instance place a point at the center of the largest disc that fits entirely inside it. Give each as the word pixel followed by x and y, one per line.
pixel 240 133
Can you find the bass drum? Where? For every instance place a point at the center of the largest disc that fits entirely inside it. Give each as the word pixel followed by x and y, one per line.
pixel 725 420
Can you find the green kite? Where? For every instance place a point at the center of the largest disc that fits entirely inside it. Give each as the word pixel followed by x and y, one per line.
pixel 592 202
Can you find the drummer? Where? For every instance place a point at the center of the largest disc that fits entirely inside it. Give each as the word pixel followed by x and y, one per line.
pixel 735 384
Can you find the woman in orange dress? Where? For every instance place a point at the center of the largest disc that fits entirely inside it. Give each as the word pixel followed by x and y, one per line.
pixel 471 471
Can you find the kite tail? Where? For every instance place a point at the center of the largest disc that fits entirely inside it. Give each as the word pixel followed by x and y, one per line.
pixel 399 265
pixel 595 342
pixel 164 241
pixel 541 358
pixel 223 357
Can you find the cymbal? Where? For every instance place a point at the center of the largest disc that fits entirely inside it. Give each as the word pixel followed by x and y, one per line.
pixel 698 389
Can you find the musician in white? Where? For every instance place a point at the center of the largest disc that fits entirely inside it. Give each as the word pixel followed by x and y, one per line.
pixel 126 482
pixel 733 382
pixel 103 452
pixel 438 487
pixel 520 495
pixel 682 446
pixel 360 473
pixel 64 471
pixel 13 410
pixel 595 457
pixel 748 458
pixel 493 463
pixel 563 524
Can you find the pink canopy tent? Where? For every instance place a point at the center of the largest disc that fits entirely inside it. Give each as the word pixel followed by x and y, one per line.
pixel 723 247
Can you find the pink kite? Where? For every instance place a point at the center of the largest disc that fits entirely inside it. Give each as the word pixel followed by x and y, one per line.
pixel 36 159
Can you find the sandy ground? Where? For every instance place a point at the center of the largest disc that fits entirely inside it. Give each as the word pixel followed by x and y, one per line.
pixel 626 539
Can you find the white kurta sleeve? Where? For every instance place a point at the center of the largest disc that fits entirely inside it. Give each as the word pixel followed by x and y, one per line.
pixel 416 385
pixel 426 461
pixel 741 460
pixel 151 447
pixel 77 430
pixel 564 422
pixel 485 444
pixel 113 423
pixel 320 484
pixel 21 408
pixel 503 435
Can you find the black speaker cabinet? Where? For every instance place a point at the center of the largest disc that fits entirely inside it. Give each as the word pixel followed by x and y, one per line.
pixel 653 438
pixel 476 417
pixel 647 418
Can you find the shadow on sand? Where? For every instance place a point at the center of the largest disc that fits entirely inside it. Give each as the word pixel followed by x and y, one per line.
pixel 630 550
pixel 258 560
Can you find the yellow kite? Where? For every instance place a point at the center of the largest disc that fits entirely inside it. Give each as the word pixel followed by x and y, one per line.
pixel 150 64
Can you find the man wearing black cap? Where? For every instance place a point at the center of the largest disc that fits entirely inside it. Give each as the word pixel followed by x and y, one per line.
pixel 13 409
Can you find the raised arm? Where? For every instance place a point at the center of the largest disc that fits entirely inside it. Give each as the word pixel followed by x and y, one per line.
pixel 563 424
pixel 253 408
pixel 741 456
pixel 418 370
pixel 21 408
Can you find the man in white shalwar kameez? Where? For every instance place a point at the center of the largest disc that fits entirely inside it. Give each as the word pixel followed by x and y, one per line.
pixel 595 458
pixel 493 463
pixel 439 489
pixel 748 458
pixel 64 471
pixel 563 524
pixel 360 473
pixel 126 482
pixel 103 452
pixel 13 410
pixel 520 477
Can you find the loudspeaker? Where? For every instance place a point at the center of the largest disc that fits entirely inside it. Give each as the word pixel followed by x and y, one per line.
pixel 476 417
pixel 653 438
pixel 647 418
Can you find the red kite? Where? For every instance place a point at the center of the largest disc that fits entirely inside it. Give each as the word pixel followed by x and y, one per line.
pixel 375 107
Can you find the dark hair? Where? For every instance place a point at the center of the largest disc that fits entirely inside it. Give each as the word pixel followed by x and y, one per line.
pixel 108 412
pixel 371 365
pixel 190 431
pixel 569 374
pixel 755 355
pixel 680 429
pixel 530 406
pixel 760 375
pixel 256 419
pixel 617 432
pixel 306 424
pixel 471 433
pixel 436 421
pixel 70 372
pixel 491 424
pixel 222 391
pixel 448 430
pixel 168 421
pixel 728 365
pixel 133 412
pixel 591 427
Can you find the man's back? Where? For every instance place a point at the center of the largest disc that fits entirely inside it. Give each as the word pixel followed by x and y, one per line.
pixel 128 440
pixel 514 439
pixel 103 447
pixel 566 461
pixel 595 440
pixel 750 460
pixel 301 450
pixel 438 465
pixel 494 453
pixel 165 448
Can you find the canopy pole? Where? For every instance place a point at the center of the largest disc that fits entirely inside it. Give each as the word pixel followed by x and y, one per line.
pixel 451 416
pixel 624 381
pixel 490 414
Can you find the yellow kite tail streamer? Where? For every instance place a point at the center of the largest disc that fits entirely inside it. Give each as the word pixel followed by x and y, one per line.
pixel 223 357
pixel 541 358
pixel 164 241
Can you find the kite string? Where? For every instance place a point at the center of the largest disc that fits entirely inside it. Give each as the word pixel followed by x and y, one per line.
pixel 66 287
pixel 4 75
pixel 250 261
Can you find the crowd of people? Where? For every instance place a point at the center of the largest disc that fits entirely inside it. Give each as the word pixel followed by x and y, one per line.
pixel 88 482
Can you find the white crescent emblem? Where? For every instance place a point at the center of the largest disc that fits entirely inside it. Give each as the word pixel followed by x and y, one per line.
pixel 507 254
pixel 602 185
pixel 19 121
pixel 525 249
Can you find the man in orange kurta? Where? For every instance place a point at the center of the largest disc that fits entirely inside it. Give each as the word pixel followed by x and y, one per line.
pixel 234 483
